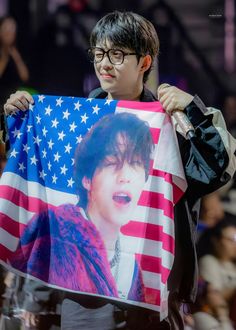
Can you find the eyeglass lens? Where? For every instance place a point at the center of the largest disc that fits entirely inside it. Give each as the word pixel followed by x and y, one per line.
pixel 115 56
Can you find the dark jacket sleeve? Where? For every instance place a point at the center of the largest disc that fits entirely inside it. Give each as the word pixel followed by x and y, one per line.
pixel 205 157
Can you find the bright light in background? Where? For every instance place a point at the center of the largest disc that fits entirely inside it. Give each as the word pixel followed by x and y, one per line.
pixel 229 36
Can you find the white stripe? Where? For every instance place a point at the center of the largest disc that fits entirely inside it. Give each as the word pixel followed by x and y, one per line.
pixel 179 182
pixel 147 247
pixel 154 119
pixel 159 185
pixel 151 280
pixel 7 240
pixel 34 189
pixel 15 212
pixel 155 217
pixel 167 157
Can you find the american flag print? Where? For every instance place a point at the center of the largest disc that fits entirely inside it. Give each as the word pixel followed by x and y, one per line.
pixel 39 178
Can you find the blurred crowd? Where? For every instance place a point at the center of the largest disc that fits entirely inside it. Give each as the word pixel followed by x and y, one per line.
pixel 58 65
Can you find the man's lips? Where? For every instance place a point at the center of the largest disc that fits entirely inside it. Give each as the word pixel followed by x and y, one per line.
pixel 106 75
pixel 122 198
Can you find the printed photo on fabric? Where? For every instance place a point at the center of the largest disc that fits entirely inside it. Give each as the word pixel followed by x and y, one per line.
pixel 87 197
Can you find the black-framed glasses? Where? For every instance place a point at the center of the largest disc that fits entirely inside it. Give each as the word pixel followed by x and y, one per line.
pixel 115 56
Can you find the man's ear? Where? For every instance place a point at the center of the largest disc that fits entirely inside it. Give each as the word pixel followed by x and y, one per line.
pixel 86 182
pixel 146 63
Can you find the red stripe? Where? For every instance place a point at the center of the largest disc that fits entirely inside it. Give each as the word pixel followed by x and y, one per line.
pixel 12 227
pixel 155 132
pixel 162 174
pixel 32 204
pixel 153 265
pixel 158 201
pixel 177 193
pixel 145 106
pixel 149 231
pixel 152 296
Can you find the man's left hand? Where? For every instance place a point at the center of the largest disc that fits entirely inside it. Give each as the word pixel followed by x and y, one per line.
pixel 173 98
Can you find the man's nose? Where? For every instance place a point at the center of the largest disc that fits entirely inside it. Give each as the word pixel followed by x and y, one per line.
pixel 105 61
pixel 124 174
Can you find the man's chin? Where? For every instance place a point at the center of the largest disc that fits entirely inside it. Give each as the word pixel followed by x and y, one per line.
pixel 107 87
pixel 124 219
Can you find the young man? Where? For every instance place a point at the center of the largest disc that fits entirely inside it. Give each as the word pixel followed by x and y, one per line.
pixel 123 46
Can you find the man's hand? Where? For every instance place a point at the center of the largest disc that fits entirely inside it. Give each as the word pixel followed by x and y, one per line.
pixel 173 98
pixel 18 101
pixel 30 319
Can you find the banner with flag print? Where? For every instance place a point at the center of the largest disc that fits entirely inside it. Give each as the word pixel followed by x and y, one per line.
pixel 87 197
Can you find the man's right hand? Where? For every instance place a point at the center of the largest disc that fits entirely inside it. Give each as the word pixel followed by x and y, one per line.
pixel 18 101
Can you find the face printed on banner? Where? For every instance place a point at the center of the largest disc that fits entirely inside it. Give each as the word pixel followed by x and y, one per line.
pixel 115 188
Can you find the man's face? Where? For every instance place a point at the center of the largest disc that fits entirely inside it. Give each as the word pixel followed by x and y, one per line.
pixel 226 245
pixel 8 31
pixel 114 190
pixel 120 79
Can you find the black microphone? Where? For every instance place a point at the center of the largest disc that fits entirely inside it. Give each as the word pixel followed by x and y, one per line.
pixel 184 123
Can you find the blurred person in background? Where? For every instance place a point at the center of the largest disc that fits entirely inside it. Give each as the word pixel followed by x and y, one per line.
pixel 41 307
pixel 28 306
pixel 210 311
pixel 13 70
pixel 229 191
pixel 12 301
pixel 211 212
pixel 217 253
pixel 229 111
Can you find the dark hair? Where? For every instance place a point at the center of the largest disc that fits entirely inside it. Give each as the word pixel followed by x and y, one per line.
pixel 206 241
pixel 217 230
pixel 127 30
pixel 101 141
pixel 3 19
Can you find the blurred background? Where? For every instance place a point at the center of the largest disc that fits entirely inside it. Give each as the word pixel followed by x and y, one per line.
pixel 197 43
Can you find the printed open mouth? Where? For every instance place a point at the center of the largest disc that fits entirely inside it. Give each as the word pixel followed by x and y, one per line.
pixel 121 198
